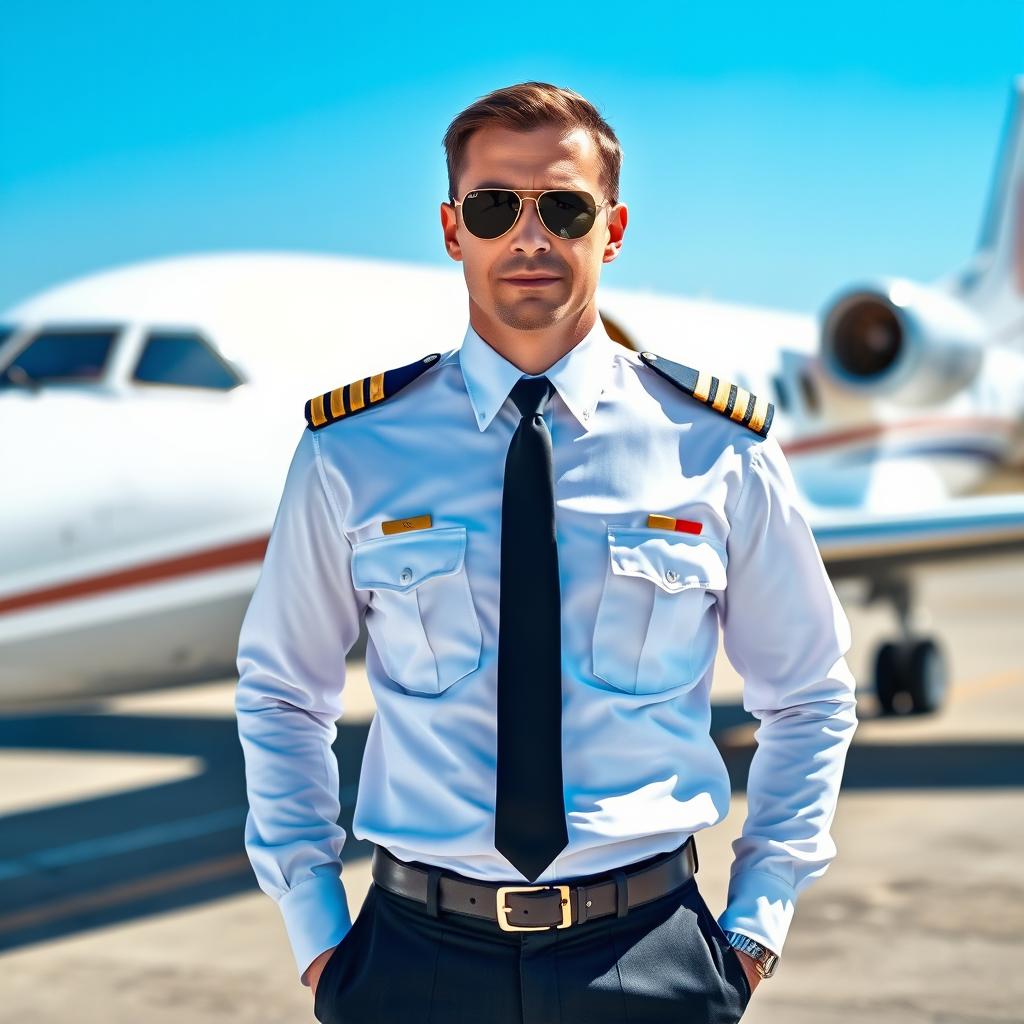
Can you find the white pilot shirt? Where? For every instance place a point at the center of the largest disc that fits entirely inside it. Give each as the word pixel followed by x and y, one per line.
pixel 641 608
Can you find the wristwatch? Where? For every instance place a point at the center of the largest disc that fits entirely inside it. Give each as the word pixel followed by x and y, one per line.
pixel 764 959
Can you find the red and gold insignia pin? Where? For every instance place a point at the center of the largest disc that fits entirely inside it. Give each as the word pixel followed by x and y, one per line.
pixel 669 523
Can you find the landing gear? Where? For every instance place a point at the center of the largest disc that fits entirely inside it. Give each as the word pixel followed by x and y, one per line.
pixel 911 673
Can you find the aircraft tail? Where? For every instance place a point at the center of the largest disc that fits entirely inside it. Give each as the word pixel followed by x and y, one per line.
pixel 993 283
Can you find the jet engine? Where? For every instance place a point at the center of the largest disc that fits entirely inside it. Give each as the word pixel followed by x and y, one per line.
pixel 902 341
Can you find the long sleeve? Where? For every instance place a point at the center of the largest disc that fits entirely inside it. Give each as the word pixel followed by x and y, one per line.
pixel 302 620
pixel 786 633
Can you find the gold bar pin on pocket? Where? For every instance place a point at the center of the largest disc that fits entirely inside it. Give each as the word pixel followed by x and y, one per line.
pixel 404 525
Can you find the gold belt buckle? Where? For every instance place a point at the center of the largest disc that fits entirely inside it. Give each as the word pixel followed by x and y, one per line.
pixel 503 910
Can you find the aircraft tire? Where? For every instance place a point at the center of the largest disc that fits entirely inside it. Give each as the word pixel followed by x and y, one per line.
pixel 927 676
pixel 888 675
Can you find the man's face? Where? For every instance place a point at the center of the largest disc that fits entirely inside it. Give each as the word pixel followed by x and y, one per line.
pixel 546 157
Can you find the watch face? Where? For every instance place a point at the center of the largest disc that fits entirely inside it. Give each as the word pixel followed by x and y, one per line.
pixel 765 958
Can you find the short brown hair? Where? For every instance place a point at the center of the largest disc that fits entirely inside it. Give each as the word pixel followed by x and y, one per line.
pixel 530 105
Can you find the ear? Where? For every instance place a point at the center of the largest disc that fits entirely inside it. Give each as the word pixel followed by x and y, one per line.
pixel 618 216
pixel 450 227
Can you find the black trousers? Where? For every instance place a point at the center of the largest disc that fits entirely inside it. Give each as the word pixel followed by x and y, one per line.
pixel 667 960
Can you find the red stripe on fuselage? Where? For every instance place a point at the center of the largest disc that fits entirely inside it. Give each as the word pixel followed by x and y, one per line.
pixel 879 430
pixel 150 572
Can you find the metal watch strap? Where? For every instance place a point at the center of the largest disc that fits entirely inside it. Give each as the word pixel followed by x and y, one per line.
pixel 763 957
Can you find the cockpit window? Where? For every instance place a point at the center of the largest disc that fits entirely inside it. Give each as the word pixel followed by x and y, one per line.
pixel 809 391
pixel 60 355
pixel 184 359
pixel 781 393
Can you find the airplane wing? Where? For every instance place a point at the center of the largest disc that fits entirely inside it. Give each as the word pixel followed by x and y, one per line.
pixel 859 542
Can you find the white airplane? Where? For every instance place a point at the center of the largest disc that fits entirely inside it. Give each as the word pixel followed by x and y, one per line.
pixel 148 415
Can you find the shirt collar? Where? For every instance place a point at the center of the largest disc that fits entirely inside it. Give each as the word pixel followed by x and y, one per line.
pixel 579 376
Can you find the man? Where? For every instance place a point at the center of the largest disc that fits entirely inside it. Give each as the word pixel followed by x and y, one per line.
pixel 543 530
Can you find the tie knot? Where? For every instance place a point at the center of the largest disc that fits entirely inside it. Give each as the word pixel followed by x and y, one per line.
pixel 531 395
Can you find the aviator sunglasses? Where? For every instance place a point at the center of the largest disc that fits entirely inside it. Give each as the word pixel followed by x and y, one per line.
pixel 492 212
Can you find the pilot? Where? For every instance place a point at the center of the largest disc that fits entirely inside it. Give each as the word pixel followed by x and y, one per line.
pixel 543 531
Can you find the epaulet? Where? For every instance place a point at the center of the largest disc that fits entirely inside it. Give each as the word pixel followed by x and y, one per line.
pixel 364 393
pixel 723 396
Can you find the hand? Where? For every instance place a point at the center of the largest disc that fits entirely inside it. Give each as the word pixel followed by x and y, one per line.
pixel 749 965
pixel 315 969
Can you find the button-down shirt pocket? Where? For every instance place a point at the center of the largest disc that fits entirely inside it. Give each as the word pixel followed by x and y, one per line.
pixel 653 632
pixel 421 615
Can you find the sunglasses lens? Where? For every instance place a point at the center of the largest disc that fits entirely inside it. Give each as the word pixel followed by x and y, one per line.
pixel 568 214
pixel 489 212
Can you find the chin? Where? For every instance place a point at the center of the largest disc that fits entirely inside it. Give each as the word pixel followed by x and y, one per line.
pixel 530 316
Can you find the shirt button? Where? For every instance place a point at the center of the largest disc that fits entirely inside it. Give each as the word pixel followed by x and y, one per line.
pixel 406 575
pixel 671 575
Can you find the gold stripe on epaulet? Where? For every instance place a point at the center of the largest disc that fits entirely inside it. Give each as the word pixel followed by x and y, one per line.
pixel 739 407
pixel 756 420
pixel 722 395
pixel 317 411
pixel 338 402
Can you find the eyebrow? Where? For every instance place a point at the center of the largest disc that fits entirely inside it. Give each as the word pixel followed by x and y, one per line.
pixel 502 184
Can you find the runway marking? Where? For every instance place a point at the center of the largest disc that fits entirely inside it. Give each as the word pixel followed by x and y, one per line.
pixel 124 842
pixel 135 840
pixel 986 684
pixel 112 895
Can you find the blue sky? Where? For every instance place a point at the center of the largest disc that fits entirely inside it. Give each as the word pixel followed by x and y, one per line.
pixel 773 152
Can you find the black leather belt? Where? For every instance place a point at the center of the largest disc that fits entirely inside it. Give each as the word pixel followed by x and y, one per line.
pixel 517 908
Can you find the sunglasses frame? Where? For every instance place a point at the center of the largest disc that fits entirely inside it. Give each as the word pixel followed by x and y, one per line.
pixel 523 194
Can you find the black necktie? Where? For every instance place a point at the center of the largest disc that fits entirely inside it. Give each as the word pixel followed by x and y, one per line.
pixel 529 827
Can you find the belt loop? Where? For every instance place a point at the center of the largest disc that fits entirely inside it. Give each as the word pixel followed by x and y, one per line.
pixel 433 881
pixel 621 894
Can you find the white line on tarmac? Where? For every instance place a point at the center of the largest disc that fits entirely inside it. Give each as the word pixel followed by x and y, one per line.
pixel 136 839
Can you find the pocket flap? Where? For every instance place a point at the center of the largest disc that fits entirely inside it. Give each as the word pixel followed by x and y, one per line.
pixel 405 560
pixel 675 561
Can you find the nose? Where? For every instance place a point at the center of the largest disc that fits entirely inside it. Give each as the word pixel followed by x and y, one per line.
pixel 529 234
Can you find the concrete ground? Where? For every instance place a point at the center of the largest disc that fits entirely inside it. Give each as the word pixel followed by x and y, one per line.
pixel 125 895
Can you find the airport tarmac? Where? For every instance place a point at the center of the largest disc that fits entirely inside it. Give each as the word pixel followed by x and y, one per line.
pixel 126 896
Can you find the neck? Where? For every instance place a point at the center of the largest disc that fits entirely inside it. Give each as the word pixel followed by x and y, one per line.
pixel 538 350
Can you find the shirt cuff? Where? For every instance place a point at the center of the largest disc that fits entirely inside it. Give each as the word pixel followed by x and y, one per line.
pixel 316 917
pixel 760 906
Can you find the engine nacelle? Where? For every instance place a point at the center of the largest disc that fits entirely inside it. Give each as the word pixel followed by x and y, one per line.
pixel 901 340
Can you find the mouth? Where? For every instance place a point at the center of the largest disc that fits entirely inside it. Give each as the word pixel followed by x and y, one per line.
pixel 531 282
